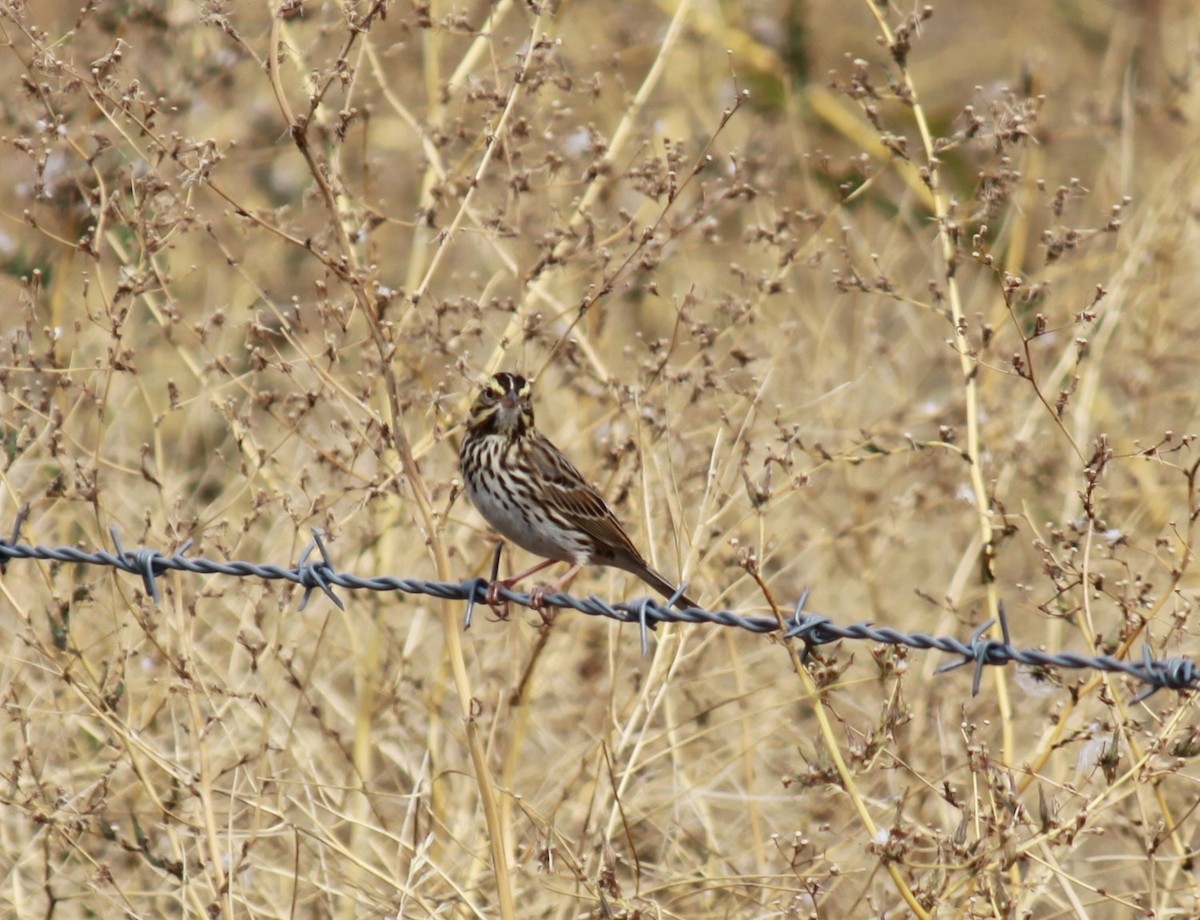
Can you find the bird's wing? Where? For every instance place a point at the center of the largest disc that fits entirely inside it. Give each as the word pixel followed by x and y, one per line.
pixel 570 495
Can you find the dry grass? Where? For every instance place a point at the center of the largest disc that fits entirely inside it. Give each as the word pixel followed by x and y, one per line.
pixel 785 348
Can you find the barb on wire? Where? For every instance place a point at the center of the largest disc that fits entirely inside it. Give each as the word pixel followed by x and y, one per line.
pixel 22 514
pixel 310 575
pixel 813 629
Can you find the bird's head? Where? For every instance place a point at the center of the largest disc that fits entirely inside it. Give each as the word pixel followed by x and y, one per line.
pixel 502 407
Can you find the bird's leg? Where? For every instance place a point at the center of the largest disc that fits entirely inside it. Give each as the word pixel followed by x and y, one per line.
pixel 493 592
pixel 500 609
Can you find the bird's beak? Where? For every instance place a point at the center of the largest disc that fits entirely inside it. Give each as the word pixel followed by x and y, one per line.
pixel 511 400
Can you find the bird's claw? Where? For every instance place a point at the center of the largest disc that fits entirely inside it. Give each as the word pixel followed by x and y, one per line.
pixel 537 601
pixel 498 604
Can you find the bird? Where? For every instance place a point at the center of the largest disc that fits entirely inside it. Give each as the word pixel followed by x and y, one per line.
pixel 531 494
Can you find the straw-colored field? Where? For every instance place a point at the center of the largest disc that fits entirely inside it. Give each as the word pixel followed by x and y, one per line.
pixel 901 309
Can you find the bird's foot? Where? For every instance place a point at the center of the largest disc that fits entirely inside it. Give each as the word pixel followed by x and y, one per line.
pixel 498 604
pixel 537 601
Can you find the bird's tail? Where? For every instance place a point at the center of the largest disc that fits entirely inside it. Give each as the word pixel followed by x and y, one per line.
pixel 656 581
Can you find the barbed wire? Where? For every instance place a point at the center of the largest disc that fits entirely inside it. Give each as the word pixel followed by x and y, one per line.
pixel 814 629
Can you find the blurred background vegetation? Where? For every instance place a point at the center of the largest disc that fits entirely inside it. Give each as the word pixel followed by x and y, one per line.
pixel 896 304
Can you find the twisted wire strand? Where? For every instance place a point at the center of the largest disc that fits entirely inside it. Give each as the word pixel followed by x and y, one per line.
pixel 814 629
